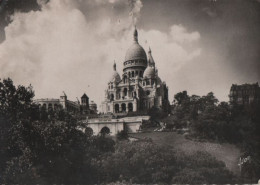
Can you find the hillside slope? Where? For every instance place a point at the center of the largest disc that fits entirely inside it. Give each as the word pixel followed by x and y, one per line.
pixel 227 153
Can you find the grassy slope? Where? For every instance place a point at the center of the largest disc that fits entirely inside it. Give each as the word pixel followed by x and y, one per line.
pixel 227 153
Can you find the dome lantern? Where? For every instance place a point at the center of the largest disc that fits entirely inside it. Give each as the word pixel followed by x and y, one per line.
pixel 114 66
pixel 135 35
pixel 150 58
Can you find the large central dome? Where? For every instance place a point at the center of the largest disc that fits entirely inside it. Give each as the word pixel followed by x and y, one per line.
pixel 136 51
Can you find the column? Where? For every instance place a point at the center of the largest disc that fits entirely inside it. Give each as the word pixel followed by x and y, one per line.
pixel 114 108
pixel 122 93
pixel 135 106
pixel 120 107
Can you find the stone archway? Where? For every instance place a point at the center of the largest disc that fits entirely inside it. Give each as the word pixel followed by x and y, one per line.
pixel 50 106
pixel 44 106
pixel 105 131
pixel 56 106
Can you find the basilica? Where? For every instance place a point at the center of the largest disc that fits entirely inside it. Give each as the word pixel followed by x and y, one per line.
pixel 139 88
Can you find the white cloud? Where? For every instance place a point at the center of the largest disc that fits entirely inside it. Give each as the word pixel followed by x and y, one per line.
pixel 180 34
pixel 60 48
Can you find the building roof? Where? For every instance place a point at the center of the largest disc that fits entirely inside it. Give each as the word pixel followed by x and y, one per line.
pixel 84 96
pixel 244 86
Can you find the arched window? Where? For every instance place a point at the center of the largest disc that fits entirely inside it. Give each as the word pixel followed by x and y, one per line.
pixel 136 73
pixel 123 107
pixel 133 74
pixel 112 97
pixel 141 73
pixel 116 108
pixel 130 107
pixel 125 91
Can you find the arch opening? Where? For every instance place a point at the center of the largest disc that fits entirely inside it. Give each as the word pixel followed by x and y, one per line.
pixel 105 131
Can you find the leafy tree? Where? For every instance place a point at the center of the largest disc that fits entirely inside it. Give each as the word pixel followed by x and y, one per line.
pixel 15 106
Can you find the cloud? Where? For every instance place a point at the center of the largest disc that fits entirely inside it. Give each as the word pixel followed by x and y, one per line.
pixel 62 47
pixel 181 35
pixel 135 9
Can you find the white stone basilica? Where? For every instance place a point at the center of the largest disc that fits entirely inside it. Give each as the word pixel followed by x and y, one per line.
pixel 140 87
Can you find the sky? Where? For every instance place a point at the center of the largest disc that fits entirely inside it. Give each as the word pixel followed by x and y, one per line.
pixel 70 45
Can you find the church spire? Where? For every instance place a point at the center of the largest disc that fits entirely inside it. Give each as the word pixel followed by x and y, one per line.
pixel 135 35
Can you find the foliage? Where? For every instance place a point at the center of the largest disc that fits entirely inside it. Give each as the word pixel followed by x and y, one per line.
pixel 156 113
pixel 122 135
pixel 221 122
pixel 47 147
pixel 143 162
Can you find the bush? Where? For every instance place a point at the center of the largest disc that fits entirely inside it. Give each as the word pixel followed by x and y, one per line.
pixel 122 135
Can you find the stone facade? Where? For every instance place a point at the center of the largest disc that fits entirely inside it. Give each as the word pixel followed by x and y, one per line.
pixel 139 88
pixel 112 126
pixel 244 94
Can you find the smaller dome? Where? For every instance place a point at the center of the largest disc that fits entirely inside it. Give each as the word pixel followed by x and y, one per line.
pixel 115 77
pixel 149 72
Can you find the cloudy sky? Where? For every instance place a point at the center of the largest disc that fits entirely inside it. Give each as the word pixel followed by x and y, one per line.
pixel 70 45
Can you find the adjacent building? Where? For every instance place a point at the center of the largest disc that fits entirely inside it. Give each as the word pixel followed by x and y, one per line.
pixel 71 106
pixel 244 94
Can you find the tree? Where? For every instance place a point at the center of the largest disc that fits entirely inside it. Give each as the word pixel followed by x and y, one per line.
pixel 15 107
pixel 181 97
